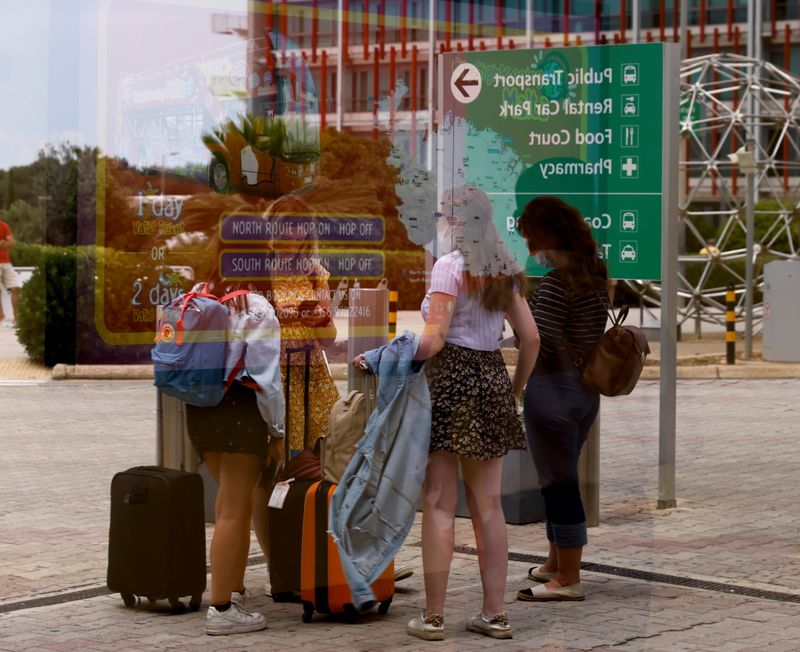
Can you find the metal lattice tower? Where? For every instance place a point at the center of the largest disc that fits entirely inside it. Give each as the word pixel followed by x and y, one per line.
pixel 726 101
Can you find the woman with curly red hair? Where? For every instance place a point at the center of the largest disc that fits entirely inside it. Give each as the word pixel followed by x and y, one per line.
pixel 569 307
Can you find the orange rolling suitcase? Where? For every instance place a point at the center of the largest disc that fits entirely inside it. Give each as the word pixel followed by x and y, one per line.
pixel 323 586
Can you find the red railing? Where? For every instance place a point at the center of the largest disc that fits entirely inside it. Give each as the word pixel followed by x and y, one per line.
pixel 323 91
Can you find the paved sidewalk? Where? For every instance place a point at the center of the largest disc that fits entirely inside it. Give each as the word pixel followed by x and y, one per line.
pixel 722 570
pixel 14 362
pixel 728 556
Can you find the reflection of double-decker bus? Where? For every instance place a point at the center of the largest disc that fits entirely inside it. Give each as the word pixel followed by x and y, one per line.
pixel 163 114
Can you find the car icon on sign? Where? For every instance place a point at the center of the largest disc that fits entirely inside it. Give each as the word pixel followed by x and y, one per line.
pixel 629 75
pixel 629 108
pixel 627 253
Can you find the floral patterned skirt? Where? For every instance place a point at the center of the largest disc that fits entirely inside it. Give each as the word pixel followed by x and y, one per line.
pixel 473 412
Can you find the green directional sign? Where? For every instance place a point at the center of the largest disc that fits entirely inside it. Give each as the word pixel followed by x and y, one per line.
pixel 584 123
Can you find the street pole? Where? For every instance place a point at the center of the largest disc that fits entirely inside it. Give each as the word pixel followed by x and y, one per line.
pixel 528 23
pixel 431 65
pixel 749 263
pixel 755 18
pixel 636 20
pixel 684 38
pixel 669 286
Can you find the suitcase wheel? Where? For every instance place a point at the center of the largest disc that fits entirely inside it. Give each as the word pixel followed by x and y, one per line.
pixel 129 599
pixel 177 606
pixel 383 607
pixel 308 612
pixel 286 596
pixel 194 603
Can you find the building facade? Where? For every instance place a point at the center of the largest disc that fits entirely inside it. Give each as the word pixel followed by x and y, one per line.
pixel 390 47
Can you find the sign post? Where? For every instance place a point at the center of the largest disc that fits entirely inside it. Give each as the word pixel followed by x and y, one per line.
pixel 595 126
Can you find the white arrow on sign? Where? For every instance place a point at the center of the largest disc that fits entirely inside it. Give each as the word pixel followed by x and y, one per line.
pixel 465 83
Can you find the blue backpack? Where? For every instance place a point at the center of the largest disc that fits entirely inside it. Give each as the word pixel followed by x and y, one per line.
pixel 191 348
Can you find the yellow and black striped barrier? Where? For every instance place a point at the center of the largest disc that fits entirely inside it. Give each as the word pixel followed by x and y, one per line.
pixel 393 298
pixel 730 325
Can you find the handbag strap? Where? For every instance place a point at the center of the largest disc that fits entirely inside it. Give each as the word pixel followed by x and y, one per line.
pixel 576 359
pixel 616 319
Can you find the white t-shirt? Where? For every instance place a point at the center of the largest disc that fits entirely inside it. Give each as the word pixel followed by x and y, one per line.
pixel 472 326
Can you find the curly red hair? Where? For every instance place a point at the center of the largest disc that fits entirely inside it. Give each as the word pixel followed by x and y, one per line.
pixel 550 224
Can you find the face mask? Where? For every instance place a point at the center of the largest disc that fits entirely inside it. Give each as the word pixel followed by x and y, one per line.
pixel 541 259
pixel 444 240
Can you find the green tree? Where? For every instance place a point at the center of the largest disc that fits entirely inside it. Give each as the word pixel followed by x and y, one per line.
pixel 27 183
pixel 26 222
pixel 69 185
pixel 61 193
pixel 10 195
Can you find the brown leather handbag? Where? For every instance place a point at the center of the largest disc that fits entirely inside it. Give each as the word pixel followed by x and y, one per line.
pixel 614 365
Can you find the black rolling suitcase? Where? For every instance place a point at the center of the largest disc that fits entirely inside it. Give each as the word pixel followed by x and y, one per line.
pixel 286 534
pixel 286 524
pixel 157 540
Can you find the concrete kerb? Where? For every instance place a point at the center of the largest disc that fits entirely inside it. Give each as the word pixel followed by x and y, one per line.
pixel 102 372
pixel 687 371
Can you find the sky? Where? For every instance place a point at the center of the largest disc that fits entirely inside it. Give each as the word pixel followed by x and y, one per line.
pixel 24 93
pixel 63 62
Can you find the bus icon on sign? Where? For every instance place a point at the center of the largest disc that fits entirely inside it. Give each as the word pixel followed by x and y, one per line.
pixel 628 220
pixel 630 74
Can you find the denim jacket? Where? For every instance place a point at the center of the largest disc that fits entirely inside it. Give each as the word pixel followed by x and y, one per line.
pixel 254 338
pixel 373 508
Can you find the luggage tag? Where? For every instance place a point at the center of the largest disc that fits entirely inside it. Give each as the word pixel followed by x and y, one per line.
pixel 279 493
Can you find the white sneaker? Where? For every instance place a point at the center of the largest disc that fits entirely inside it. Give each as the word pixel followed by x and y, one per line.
pixel 496 627
pixel 233 621
pixel 402 573
pixel 428 628
pixel 240 599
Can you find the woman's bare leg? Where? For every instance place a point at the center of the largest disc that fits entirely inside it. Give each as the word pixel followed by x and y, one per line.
pixel 482 482
pixel 438 535
pixel 237 474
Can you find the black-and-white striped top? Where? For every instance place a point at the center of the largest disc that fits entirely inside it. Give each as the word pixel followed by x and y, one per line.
pixel 582 319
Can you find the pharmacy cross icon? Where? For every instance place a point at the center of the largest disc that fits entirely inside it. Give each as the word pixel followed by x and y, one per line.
pixel 630 166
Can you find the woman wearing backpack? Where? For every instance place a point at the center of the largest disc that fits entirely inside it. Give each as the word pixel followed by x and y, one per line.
pixel 234 439
pixel 569 305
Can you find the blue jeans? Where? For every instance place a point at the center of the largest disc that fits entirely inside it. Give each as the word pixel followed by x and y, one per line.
pixel 559 410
